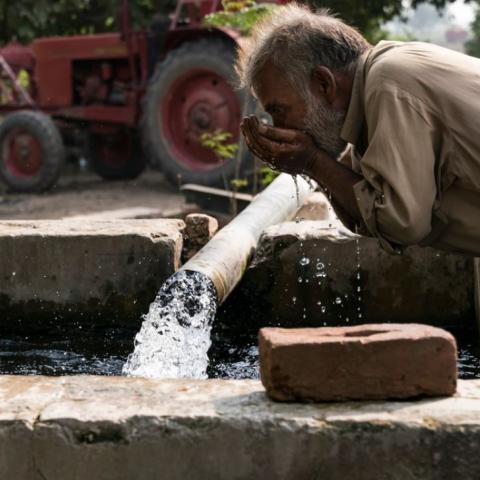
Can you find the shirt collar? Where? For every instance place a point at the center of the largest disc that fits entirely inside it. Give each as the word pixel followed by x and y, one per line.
pixel 355 117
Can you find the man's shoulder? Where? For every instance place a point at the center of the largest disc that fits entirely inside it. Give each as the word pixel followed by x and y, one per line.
pixel 409 65
pixel 395 61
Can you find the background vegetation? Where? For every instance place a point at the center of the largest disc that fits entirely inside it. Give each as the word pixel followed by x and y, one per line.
pixel 473 45
pixel 27 19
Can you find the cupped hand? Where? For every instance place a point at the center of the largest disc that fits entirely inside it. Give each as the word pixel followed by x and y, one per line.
pixel 287 150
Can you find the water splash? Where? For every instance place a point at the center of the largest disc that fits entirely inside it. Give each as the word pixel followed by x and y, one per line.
pixel 358 278
pixel 175 335
pixel 241 363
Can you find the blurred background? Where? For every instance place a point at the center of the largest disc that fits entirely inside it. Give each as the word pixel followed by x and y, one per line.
pixel 108 105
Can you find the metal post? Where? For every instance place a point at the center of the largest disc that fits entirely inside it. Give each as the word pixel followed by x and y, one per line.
pixel 476 277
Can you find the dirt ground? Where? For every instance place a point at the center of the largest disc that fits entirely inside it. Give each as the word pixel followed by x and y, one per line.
pixel 84 194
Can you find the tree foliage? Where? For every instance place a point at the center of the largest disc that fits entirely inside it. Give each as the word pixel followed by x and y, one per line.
pixel 28 19
pixel 241 15
pixel 368 15
pixel 25 20
pixel 473 45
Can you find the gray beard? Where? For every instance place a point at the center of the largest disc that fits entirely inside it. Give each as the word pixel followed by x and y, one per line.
pixel 324 125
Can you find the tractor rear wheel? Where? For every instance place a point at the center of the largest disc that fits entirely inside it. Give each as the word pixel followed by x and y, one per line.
pixel 191 93
pixel 31 152
pixel 116 156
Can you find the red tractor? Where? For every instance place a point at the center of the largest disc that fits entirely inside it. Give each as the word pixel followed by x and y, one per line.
pixel 121 99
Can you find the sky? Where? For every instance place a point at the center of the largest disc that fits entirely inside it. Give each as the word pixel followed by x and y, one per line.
pixel 464 13
pixel 425 23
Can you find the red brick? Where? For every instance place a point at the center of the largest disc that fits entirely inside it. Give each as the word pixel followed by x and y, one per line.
pixel 383 361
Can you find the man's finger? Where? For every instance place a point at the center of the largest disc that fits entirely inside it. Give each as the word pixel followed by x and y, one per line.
pixel 282 135
pixel 251 141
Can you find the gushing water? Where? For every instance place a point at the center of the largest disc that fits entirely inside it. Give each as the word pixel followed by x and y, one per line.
pixel 175 335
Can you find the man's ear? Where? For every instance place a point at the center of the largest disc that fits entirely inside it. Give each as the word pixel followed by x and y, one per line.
pixel 323 84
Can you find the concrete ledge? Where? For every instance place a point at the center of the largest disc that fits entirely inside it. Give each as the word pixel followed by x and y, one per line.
pixel 52 268
pixel 73 428
pixel 327 288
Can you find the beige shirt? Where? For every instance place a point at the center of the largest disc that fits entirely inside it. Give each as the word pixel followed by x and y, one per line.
pixel 414 123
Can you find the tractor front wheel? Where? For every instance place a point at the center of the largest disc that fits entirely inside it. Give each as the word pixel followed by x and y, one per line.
pixel 31 152
pixel 116 156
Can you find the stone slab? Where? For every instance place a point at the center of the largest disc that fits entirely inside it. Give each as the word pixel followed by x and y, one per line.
pixel 383 361
pixel 344 279
pixel 53 267
pixel 112 428
pixel 199 230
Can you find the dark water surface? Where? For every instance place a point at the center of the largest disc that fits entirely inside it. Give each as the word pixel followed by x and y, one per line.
pixel 104 353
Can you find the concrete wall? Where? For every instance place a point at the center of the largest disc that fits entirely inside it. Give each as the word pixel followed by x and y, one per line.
pixel 60 269
pixel 339 275
pixel 110 271
pixel 77 428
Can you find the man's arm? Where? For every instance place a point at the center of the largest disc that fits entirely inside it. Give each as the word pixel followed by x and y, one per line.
pixel 338 180
pixel 395 196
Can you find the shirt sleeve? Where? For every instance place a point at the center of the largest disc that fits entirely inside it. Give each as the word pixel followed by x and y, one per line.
pixel 397 194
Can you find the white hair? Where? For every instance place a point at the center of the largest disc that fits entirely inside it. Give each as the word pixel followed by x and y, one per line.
pixel 296 40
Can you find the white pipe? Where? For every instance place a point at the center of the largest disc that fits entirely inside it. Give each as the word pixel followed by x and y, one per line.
pixel 225 258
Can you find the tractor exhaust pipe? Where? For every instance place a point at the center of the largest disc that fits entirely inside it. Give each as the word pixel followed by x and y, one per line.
pixel 225 258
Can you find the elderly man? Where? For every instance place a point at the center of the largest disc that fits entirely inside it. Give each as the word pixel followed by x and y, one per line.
pixel 409 111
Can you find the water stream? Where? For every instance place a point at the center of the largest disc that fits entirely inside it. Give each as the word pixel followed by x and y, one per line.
pixel 175 334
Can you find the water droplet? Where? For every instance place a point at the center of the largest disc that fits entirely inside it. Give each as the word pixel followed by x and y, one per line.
pixel 304 261
pixel 294 299
pixel 323 309
pixel 300 279
pixel 338 300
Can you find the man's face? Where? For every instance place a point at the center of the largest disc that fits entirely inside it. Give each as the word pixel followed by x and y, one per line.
pixel 289 109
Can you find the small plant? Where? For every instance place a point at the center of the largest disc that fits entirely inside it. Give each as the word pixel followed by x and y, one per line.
pixel 267 175
pixel 240 15
pixel 238 183
pixel 218 142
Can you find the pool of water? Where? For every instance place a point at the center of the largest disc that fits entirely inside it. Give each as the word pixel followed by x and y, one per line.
pixel 104 353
